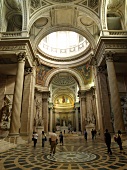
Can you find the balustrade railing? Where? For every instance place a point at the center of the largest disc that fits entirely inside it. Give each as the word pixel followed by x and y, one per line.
pixel 115 32
pixel 67 51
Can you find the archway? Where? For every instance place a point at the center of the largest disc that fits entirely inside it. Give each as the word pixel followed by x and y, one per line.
pixel 63 100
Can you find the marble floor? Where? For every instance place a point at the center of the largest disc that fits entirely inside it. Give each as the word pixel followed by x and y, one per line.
pixel 75 154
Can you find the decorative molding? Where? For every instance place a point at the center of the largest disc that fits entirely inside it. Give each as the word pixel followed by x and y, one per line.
pixel 105 45
pixel 103 11
pixel 11 48
pixel 25 14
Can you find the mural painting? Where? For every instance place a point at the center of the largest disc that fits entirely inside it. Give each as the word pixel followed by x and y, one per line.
pixel 63 100
pixel 86 72
pixel 41 73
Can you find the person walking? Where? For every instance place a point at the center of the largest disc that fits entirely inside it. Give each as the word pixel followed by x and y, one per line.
pixel 85 135
pixel 35 136
pixel 92 133
pixel 108 141
pixel 43 138
pixel 53 139
pixel 95 133
pixel 61 138
pixel 119 140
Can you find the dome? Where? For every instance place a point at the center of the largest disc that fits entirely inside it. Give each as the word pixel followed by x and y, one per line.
pixel 63 44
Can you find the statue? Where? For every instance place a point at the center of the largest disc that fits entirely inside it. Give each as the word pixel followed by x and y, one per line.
pixel 5 117
pixel 64 123
pixel 40 121
pixel 90 119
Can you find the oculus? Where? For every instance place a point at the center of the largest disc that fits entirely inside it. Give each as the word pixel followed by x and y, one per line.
pixel 63 44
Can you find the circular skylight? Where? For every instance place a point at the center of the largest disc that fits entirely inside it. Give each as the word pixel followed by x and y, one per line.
pixel 63 44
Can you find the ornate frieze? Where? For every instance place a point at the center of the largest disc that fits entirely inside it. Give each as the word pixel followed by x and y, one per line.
pixel 63 1
pixel 11 48
pixel 115 45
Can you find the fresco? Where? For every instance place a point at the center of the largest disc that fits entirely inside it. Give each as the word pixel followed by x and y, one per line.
pixel 86 72
pixel 63 101
pixel 41 73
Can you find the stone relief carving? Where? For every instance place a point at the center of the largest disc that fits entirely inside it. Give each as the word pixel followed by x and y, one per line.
pixel 7 48
pixel 35 3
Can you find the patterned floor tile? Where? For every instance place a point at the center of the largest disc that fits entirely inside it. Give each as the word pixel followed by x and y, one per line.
pixel 74 155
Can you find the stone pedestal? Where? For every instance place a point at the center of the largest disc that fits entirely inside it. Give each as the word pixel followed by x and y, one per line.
pixel 39 130
pixel 89 128
pixel 64 128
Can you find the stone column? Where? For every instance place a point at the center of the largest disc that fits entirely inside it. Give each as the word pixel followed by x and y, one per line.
pixel 99 104
pixel 27 105
pixel 82 109
pixel 115 98
pixel 17 99
pixel 50 118
pixel 105 100
pixel 77 116
pixel 45 96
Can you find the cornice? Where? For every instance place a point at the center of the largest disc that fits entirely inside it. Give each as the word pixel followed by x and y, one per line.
pixel 14 46
pixel 114 44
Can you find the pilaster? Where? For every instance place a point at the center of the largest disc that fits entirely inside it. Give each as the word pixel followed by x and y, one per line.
pixel 83 111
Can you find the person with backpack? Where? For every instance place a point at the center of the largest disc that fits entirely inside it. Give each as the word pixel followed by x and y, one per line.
pixel 34 138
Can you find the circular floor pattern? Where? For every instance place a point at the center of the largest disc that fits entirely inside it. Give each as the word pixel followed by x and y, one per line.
pixel 72 157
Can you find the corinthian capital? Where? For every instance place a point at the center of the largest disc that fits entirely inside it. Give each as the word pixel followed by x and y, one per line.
pixel 28 70
pixel 109 55
pixel 21 56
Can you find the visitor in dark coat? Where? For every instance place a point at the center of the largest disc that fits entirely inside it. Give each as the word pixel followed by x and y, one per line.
pixel 108 141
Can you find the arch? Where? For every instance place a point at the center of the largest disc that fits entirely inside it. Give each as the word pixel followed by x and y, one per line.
pixel 84 32
pixel 87 11
pixel 73 72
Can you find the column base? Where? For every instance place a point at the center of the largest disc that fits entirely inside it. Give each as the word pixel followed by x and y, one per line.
pixel 13 134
